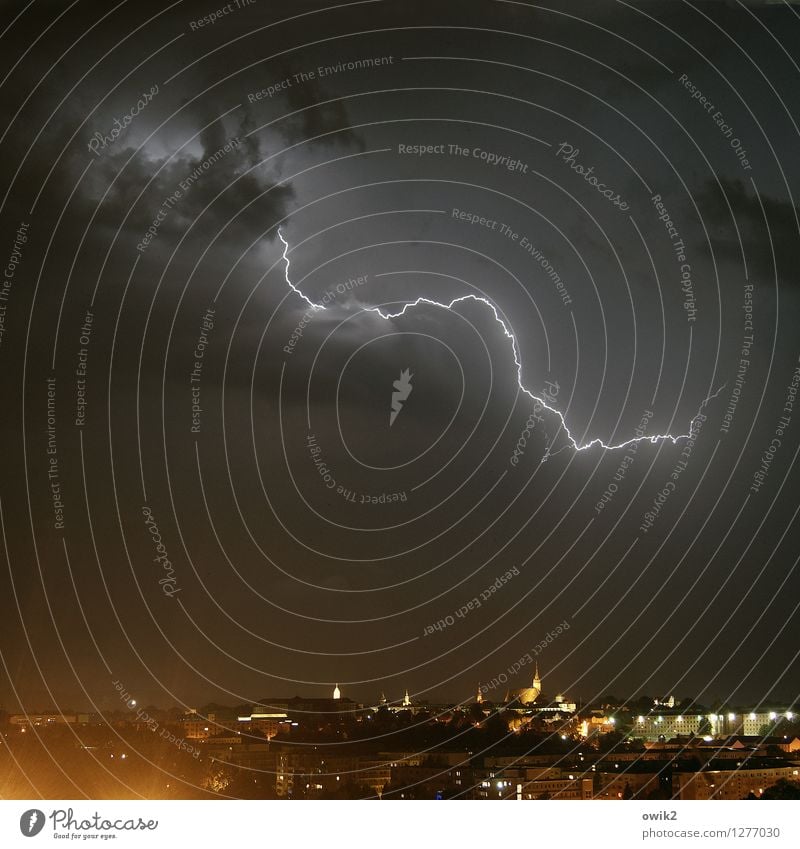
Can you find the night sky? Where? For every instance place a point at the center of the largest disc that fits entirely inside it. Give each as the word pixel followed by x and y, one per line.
pixel 613 182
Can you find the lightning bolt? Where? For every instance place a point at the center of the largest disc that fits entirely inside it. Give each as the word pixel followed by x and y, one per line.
pixel 286 275
pixel 387 316
pixel 32 821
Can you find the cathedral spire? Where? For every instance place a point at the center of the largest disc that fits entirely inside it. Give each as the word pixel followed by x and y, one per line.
pixel 337 693
pixel 479 696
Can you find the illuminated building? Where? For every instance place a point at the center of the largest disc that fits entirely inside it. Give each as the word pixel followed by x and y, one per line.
pixel 732 782
pixel 268 722
pixel 668 724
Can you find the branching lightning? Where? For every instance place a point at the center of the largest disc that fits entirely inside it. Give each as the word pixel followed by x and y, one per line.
pixel 654 439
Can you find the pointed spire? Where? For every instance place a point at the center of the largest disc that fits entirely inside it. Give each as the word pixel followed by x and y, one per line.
pixel 537 681
pixel 337 693
pixel 406 699
pixel 479 696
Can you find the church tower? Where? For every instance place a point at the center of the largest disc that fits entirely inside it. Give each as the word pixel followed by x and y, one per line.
pixel 537 681
pixel 337 693
pixel 479 696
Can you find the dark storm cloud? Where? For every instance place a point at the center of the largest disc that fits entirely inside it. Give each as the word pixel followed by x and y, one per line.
pixel 160 164
pixel 767 226
pixel 234 180
pixel 224 75
pixel 315 116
